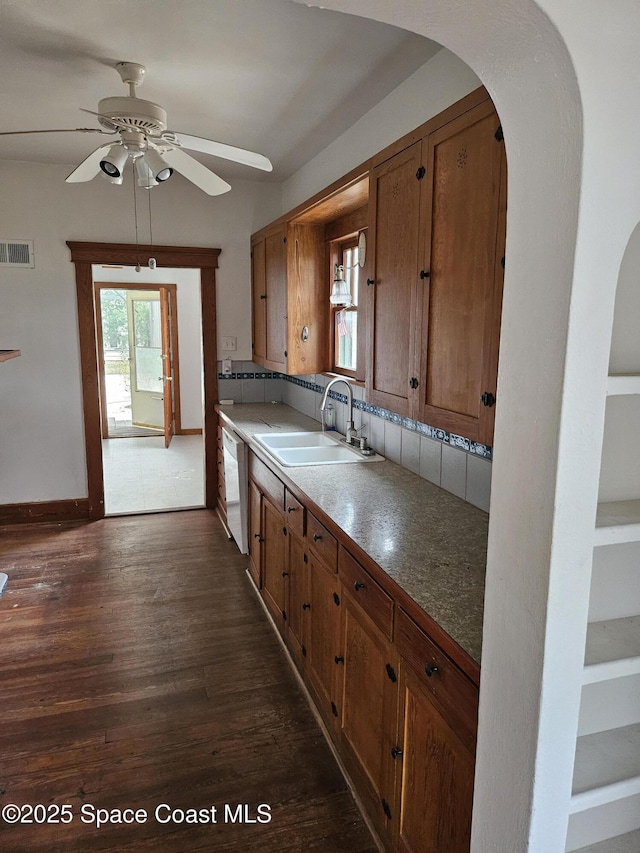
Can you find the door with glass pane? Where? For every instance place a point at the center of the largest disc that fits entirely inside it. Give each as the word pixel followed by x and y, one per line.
pixel 146 358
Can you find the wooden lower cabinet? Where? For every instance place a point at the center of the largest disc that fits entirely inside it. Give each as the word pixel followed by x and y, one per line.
pixel 434 776
pixel 368 712
pixel 274 561
pixel 323 644
pixel 255 534
pixel 402 715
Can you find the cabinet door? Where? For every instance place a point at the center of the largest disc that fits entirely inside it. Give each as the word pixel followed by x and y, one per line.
pixel 464 199
pixel 274 555
pixel 259 302
pixel 434 773
pixel 368 712
pixel 275 260
pixel 255 533
pixel 324 655
pixel 394 320
pixel 297 598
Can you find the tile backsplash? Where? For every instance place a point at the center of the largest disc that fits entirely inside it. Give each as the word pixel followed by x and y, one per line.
pixel 454 463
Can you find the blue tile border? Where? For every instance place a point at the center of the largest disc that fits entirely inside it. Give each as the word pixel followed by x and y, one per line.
pixel 457 441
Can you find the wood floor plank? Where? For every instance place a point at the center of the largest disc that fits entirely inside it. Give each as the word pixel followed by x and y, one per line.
pixel 137 668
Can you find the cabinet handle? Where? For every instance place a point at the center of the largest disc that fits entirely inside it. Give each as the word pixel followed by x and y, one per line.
pixel 424 274
pixel 370 281
pixel 488 399
pixel 429 669
pixel 339 659
pixel 258 537
pixel 396 752
pixel 336 599
pixel 316 537
pixel 263 296
pixel 285 574
pixel 292 508
pixel 359 585
pixel 306 606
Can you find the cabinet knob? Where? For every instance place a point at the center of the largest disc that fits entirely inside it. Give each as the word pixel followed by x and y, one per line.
pixel 430 669
pixel 263 296
pixel 424 274
pixel 258 537
pixel 306 606
pixel 285 574
pixel 488 399
pixel 292 508
pixel 359 585
pixel 316 537
pixel 339 659
pixel 370 281
pixel 396 752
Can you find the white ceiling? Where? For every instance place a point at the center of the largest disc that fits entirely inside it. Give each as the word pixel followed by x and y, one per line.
pixel 269 75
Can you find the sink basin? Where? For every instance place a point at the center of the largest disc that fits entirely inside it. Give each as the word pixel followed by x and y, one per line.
pixel 297 449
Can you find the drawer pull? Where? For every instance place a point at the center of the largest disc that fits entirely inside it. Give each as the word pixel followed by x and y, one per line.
pixel 258 537
pixel 429 669
pixel 306 606
pixel 358 585
pixel 292 508
pixel 396 752
pixel 285 574
pixel 339 659
pixel 316 537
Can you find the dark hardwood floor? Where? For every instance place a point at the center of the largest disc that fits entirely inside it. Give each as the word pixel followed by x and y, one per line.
pixel 137 668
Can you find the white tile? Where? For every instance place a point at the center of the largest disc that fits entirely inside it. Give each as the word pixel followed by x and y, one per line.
pixel 454 470
pixel 479 482
pixel 393 442
pixel 253 391
pixel 430 459
pixel 411 450
pixel 376 434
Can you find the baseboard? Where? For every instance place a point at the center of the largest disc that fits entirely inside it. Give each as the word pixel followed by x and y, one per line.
pixel 67 510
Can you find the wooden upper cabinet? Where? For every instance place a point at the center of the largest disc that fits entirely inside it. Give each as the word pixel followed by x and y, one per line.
pixel 394 207
pixel 269 297
pixel 463 211
pixel 437 233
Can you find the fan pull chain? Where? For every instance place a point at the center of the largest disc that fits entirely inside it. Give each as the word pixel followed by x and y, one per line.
pixel 152 261
pixel 135 212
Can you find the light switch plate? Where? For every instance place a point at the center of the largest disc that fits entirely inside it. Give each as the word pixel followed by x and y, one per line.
pixel 229 343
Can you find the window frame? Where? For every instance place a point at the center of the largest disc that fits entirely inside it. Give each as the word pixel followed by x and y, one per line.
pixel 337 248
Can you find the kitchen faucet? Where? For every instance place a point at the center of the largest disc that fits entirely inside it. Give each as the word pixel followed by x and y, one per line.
pixel 351 432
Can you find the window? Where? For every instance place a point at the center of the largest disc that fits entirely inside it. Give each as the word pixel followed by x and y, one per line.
pixel 345 317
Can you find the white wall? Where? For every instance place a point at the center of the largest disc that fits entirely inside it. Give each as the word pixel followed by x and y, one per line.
pixel 441 81
pixel 42 448
pixel 189 313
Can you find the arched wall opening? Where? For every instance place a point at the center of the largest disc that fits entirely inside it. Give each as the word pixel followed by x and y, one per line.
pixel 525 758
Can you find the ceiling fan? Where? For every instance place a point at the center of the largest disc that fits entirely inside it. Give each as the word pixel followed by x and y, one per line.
pixel 144 139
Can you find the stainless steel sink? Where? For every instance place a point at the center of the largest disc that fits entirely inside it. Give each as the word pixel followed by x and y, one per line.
pixel 297 449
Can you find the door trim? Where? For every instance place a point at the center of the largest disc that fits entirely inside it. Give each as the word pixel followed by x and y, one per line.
pixel 117 285
pixel 83 255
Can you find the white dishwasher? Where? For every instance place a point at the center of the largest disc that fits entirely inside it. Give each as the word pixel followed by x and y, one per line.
pixel 236 481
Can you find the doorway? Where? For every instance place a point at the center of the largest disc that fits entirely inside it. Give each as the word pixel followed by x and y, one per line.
pixel 83 255
pixel 138 359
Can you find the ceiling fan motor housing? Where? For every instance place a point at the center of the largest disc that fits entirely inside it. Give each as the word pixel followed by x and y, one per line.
pixel 135 113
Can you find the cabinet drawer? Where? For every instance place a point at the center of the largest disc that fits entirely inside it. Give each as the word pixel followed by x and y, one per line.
pixel 266 481
pixel 323 543
pixel 359 584
pixel 438 674
pixel 295 512
pixel 220 462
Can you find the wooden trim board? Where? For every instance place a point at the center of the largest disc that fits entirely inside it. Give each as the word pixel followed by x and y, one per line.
pixel 65 510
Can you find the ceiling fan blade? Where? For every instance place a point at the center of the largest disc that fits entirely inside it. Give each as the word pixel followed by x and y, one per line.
pixel 57 130
pixel 89 168
pixel 219 149
pixel 195 172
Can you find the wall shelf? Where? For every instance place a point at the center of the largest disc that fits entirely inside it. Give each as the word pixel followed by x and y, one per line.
pixel 6 354
pixel 607 768
pixel 613 649
pixel 617 522
pixel 623 383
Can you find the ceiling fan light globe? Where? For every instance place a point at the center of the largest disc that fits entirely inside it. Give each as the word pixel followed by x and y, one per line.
pixel 113 162
pixel 157 165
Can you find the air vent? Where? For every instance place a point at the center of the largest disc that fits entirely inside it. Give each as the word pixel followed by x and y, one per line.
pixel 16 253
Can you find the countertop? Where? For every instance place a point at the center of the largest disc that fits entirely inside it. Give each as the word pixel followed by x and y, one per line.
pixel 431 543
